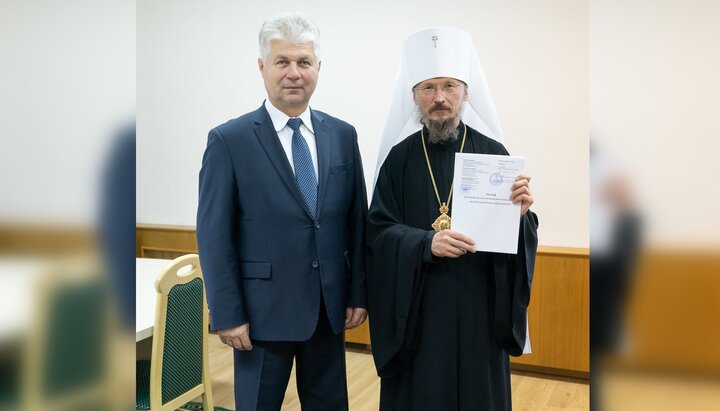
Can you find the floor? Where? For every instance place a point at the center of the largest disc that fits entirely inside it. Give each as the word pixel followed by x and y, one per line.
pixel 529 391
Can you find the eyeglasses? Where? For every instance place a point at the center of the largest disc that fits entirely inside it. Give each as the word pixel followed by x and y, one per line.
pixel 429 90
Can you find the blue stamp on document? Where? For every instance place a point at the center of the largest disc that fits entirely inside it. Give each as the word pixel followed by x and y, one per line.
pixel 496 179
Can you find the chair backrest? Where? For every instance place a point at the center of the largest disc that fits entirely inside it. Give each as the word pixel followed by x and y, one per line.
pixel 179 365
pixel 67 356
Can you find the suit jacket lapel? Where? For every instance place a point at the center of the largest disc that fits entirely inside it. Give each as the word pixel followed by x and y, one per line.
pixel 265 133
pixel 323 141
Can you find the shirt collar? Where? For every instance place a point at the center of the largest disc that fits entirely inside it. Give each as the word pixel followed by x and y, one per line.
pixel 280 119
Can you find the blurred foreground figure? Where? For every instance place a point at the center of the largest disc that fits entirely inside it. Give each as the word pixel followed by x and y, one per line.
pixel 614 245
pixel 61 347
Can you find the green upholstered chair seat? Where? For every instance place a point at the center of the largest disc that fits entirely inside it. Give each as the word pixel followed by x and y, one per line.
pixel 142 385
pixel 192 406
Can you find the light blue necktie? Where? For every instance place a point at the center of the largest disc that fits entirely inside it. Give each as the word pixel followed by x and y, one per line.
pixel 304 170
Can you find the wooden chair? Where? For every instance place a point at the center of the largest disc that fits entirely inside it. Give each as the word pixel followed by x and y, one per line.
pixel 66 358
pixel 178 370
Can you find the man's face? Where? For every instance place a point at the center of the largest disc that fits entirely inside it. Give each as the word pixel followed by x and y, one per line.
pixel 290 73
pixel 440 99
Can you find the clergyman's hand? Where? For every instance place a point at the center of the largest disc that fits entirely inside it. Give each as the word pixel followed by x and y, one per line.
pixel 237 337
pixel 521 193
pixel 448 243
pixel 354 317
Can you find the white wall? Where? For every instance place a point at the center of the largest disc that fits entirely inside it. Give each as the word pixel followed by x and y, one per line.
pixel 196 68
pixel 654 104
pixel 67 83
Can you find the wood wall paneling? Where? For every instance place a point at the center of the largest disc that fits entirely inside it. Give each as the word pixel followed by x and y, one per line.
pixel 558 313
pixel 359 335
pixel 158 241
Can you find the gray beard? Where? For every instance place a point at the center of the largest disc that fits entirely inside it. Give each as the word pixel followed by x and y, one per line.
pixel 442 131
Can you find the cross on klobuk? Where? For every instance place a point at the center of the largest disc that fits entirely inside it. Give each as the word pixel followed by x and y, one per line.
pixel 435 39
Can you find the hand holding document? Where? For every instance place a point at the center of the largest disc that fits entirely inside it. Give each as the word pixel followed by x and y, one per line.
pixel 481 206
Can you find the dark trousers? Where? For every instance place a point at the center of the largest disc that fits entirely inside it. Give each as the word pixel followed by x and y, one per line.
pixel 261 375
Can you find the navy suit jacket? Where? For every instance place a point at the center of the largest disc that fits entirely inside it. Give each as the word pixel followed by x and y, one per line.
pixel 265 260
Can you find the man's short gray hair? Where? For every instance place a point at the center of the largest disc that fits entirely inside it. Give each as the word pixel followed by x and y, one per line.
pixel 293 27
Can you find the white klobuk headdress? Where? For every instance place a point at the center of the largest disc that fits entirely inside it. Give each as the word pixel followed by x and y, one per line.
pixel 438 52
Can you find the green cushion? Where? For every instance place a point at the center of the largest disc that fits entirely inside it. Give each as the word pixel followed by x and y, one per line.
pixel 182 350
pixel 75 356
pixel 192 406
pixel 142 385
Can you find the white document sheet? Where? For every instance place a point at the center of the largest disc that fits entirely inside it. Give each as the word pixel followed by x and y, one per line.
pixel 481 206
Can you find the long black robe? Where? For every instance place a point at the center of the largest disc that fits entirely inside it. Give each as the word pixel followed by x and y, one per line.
pixel 441 328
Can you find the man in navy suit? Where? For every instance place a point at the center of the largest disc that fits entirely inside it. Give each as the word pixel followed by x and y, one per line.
pixel 280 229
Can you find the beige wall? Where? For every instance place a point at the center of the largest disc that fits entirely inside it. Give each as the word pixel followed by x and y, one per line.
pixel 654 99
pixel 197 68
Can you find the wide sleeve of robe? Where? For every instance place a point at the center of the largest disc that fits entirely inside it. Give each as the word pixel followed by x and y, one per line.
pixel 397 260
pixel 512 281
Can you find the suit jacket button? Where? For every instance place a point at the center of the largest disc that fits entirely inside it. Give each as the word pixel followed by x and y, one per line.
pixel 317 225
pixel 315 264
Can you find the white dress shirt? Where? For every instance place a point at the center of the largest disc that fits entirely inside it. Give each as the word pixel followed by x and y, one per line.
pixel 285 133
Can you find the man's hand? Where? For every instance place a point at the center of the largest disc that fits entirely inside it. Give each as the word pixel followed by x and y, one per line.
pixel 354 317
pixel 237 337
pixel 521 193
pixel 448 243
